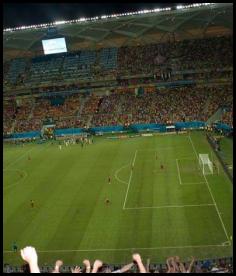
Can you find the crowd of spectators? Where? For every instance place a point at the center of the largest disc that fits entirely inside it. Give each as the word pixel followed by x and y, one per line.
pixel 91 105
pixel 31 114
pixel 72 122
pixel 7 126
pixel 224 96
pixel 9 109
pixel 175 105
pixel 212 54
pixel 123 107
pixel 227 117
pixel 157 61
pixel 28 125
pixel 205 53
pixel 99 120
pixel 136 265
pixel 109 104
pixel 23 111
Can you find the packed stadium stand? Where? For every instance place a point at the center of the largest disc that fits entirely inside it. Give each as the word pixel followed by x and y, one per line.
pixel 121 108
pixel 180 71
pixel 16 70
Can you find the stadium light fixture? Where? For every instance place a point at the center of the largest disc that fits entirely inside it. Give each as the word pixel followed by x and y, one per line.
pixel 178 7
pixel 192 5
pixel 59 22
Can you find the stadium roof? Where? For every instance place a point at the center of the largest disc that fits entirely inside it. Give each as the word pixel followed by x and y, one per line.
pixel 126 29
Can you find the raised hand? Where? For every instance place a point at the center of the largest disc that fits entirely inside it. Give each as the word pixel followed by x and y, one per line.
pixel 58 264
pixel 29 255
pixel 77 269
pixel 97 264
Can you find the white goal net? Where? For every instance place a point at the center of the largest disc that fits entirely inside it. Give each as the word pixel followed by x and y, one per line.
pixel 205 164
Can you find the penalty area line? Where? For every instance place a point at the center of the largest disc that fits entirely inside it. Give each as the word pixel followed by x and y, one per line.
pixel 177 164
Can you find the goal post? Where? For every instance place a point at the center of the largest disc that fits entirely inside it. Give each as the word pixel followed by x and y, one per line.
pixel 205 164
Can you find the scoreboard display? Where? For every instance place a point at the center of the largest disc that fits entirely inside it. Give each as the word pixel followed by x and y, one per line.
pixel 54 46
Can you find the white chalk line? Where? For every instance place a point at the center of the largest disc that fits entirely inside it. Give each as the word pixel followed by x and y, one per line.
pixel 193 183
pixel 169 206
pixel 155 149
pixel 213 199
pixel 20 157
pixel 186 183
pixel 26 174
pixel 177 163
pixel 186 158
pixel 226 243
pixel 17 182
pixel 116 174
pixel 127 249
pixel 130 178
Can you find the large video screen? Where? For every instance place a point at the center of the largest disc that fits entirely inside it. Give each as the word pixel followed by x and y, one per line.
pixel 54 46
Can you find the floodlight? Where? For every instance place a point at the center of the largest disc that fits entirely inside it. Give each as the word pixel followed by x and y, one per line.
pixel 59 22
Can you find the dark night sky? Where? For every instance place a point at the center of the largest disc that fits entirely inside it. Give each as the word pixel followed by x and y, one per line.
pixel 27 14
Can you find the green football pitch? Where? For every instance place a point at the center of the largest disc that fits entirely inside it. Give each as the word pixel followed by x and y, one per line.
pixel 153 211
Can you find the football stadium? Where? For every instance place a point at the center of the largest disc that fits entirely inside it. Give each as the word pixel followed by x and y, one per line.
pixel 117 142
